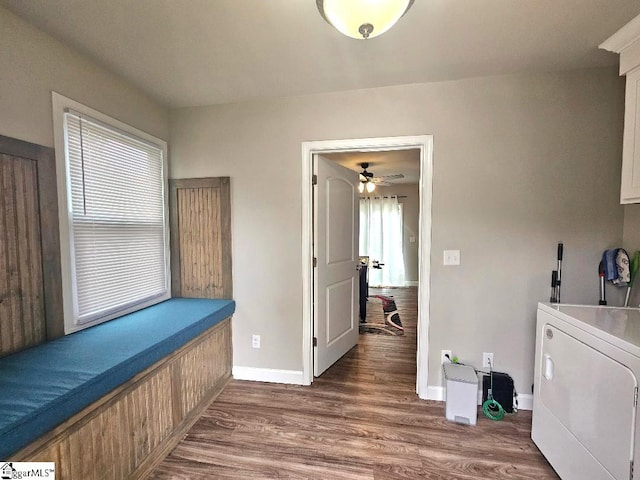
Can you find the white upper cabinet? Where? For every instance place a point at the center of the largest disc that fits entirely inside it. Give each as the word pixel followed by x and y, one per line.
pixel 630 186
pixel 626 42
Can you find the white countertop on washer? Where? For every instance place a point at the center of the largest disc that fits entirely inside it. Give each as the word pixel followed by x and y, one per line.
pixel 616 325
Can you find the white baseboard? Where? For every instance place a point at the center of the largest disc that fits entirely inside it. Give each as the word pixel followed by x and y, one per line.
pixel 435 393
pixel 411 283
pixel 292 377
pixel 525 402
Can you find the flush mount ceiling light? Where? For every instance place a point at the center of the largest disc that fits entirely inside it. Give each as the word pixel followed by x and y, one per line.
pixel 363 19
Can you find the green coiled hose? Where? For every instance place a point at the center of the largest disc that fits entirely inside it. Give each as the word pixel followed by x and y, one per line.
pixel 492 409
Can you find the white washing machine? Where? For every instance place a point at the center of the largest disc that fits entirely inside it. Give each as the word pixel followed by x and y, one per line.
pixel 586 390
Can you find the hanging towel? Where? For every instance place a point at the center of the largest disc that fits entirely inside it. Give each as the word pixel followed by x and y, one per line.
pixel 616 266
pixel 624 272
pixel 609 262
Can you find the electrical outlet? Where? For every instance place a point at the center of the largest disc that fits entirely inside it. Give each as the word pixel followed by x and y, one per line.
pixel 255 341
pixel 444 359
pixel 486 359
pixel 451 257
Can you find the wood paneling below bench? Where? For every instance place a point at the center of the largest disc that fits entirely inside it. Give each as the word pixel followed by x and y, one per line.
pixel 129 431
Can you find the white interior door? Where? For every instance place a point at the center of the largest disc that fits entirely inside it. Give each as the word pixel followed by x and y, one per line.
pixel 336 294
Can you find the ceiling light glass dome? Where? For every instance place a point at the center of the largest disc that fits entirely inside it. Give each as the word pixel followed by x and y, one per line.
pixel 363 19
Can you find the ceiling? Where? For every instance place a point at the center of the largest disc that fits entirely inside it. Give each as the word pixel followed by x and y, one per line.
pixel 204 52
pixel 406 162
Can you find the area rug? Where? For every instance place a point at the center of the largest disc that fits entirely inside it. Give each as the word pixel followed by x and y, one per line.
pixel 388 323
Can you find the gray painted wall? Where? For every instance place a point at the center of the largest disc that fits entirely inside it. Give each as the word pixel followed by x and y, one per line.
pixel 520 163
pixel 32 64
pixel 411 213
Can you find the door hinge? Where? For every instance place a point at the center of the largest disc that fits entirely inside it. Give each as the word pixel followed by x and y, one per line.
pixel 314 180
pixel 635 397
pixel 315 341
pixel 631 471
pixel 315 264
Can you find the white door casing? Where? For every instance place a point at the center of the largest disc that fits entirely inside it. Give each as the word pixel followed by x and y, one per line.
pixel 336 222
pixel 425 144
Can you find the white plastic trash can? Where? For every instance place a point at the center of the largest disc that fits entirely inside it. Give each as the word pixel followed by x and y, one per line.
pixel 461 393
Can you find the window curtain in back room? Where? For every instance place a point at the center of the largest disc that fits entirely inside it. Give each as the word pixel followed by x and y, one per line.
pixel 117 211
pixel 381 227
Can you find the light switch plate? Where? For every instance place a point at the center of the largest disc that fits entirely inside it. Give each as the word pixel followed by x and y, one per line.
pixel 452 257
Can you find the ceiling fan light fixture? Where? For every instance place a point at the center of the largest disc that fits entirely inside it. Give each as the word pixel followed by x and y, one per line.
pixel 370 187
pixel 363 19
pixel 361 187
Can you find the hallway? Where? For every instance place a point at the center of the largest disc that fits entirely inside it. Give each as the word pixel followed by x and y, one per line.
pixel 360 420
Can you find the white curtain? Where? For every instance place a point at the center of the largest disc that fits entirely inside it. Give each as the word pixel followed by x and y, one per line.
pixel 381 239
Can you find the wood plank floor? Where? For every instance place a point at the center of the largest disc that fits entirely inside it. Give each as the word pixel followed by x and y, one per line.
pixel 359 420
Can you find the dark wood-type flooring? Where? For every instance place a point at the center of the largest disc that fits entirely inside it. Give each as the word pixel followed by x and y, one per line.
pixel 360 420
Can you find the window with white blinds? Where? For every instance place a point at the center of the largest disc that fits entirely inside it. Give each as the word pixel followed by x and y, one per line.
pixel 116 219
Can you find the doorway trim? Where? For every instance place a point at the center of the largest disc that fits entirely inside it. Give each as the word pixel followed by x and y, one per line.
pixel 425 144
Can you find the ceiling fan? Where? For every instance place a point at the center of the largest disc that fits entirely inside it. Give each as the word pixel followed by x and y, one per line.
pixel 369 181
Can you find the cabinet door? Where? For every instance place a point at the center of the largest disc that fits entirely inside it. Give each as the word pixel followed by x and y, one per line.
pixel 630 186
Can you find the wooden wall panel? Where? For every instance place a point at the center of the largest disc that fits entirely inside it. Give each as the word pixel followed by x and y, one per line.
pixel 200 242
pixel 30 280
pixel 201 238
pixel 22 319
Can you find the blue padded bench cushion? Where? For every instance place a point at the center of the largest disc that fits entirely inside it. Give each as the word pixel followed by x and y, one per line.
pixel 43 386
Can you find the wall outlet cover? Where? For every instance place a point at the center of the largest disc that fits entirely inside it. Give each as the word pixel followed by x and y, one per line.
pixel 443 358
pixel 486 359
pixel 451 257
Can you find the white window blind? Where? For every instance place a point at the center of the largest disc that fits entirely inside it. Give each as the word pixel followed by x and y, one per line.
pixel 117 218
